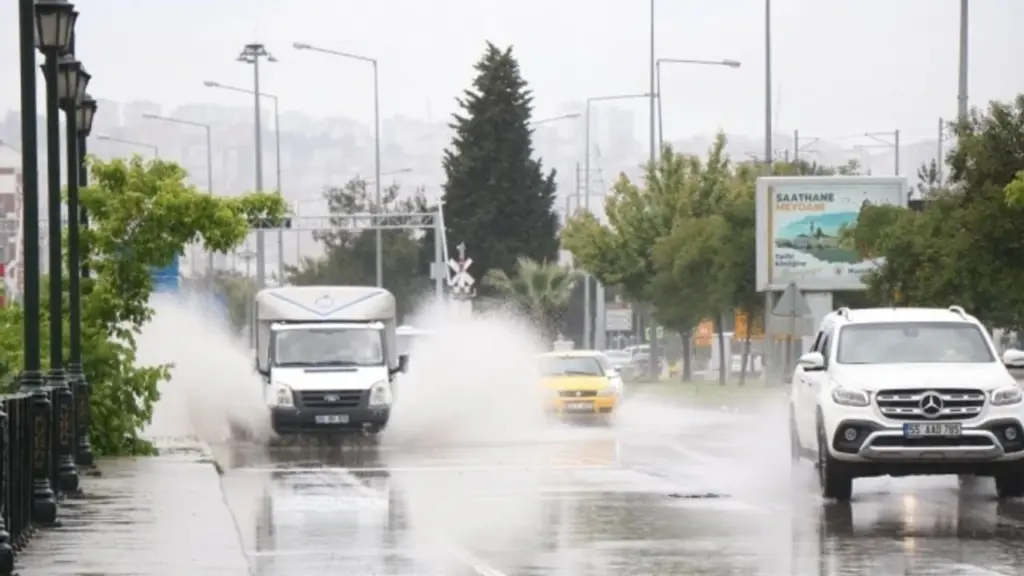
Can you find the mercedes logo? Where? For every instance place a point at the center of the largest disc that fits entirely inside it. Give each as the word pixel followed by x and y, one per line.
pixel 931 405
pixel 579 393
pixel 331 397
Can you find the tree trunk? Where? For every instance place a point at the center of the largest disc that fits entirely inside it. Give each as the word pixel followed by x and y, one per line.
pixel 746 352
pixel 687 371
pixel 722 367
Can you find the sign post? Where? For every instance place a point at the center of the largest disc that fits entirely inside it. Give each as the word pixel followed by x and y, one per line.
pixel 461 283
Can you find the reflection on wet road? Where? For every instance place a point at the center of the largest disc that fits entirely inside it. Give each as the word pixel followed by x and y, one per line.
pixel 687 498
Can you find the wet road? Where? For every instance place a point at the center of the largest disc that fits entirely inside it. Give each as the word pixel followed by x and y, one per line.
pixel 666 491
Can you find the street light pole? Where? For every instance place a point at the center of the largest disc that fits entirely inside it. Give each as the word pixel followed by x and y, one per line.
pixel 277 145
pixel 657 75
pixel 592 338
pixel 209 165
pixel 251 54
pixel 961 98
pixel 76 218
pixel 376 138
pixel 61 73
pixel 44 502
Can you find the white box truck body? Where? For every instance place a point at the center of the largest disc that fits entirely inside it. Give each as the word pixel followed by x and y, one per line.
pixel 328 356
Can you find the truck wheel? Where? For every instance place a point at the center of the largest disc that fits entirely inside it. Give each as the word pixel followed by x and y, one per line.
pixel 833 475
pixel 1010 484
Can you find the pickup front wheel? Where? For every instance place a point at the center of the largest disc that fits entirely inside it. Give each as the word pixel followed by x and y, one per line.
pixel 833 475
pixel 1010 484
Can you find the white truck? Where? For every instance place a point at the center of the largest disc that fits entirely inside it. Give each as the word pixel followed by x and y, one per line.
pixel 328 356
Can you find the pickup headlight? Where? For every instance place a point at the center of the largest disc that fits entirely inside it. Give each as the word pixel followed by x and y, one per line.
pixel 850 397
pixel 281 395
pixel 1007 396
pixel 380 394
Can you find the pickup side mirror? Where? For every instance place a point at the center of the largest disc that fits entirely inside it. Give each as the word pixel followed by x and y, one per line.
pixel 1013 358
pixel 811 362
pixel 403 363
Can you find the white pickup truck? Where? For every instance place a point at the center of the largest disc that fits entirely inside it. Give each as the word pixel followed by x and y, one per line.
pixel 328 357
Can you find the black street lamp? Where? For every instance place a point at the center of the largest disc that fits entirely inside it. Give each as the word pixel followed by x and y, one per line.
pixel 55 31
pixel 76 217
pixel 43 24
pixel 72 81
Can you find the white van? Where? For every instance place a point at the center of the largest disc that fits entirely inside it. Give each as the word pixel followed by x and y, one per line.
pixel 328 356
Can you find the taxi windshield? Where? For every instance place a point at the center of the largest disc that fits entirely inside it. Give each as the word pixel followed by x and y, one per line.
pixel 570 366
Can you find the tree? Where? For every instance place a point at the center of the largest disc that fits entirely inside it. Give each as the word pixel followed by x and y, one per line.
pixel 142 215
pixel 350 251
pixel 929 179
pixel 497 200
pixel 539 289
pixel 964 245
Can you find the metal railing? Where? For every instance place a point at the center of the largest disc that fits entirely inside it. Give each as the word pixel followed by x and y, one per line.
pixel 17 468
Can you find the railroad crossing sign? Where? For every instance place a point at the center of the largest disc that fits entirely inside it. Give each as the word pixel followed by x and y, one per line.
pixel 461 283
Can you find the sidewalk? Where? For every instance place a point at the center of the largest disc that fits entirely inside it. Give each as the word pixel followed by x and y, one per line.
pixel 161 516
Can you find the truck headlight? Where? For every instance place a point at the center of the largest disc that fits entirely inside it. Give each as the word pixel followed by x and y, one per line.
pixel 282 395
pixel 850 397
pixel 380 394
pixel 609 390
pixel 1007 396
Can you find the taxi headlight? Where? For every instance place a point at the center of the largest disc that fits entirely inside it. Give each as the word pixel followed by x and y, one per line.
pixel 1007 396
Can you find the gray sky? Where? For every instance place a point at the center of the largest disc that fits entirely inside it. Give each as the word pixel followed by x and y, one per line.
pixel 842 66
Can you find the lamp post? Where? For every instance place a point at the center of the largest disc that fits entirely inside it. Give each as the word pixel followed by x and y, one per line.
pixel 71 82
pixel 61 72
pixel 151 147
pixel 209 163
pixel 252 54
pixel 76 269
pixel 376 140
pixel 277 147
pixel 657 75
pixel 48 22
pixel 590 336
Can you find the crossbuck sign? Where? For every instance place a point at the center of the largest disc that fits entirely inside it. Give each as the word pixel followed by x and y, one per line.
pixel 461 283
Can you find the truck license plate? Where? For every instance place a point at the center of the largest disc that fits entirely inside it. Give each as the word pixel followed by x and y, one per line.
pixel 951 429
pixel 579 407
pixel 331 418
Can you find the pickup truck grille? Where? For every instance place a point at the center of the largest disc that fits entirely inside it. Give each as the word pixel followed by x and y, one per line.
pixel 953 404
pixel 331 398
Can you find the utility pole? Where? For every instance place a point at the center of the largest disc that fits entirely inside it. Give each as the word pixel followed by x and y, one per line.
pixel 961 98
pixel 251 54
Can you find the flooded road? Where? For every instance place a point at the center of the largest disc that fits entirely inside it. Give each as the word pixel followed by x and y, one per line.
pixel 700 493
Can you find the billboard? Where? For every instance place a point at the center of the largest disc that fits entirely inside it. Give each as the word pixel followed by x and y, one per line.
pixel 800 224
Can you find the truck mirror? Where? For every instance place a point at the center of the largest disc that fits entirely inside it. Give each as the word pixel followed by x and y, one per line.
pixel 403 363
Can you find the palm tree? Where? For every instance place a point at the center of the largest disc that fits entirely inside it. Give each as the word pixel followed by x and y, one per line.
pixel 540 289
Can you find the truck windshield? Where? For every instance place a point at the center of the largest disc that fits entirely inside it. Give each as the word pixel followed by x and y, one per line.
pixel 329 347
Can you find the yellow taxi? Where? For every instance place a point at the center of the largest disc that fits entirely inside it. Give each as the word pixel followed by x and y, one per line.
pixel 580 383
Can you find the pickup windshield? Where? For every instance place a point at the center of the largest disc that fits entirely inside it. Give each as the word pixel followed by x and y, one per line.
pixel 329 347
pixel 912 342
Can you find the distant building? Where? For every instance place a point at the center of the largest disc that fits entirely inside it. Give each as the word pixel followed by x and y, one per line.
pixel 10 208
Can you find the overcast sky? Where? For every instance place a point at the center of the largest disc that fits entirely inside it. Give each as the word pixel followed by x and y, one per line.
pixel 841 67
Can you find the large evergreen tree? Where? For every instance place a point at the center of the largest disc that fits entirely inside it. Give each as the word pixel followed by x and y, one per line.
pixel 497 198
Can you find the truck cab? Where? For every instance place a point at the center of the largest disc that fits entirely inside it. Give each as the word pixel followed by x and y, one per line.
pixel 328 357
